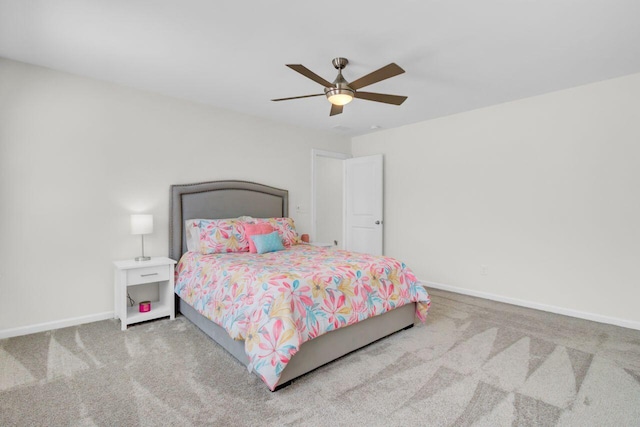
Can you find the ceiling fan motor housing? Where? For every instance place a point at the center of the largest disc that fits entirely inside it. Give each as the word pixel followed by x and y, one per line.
pixel 341 86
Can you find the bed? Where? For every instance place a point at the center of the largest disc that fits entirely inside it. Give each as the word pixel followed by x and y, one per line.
pixel 232 199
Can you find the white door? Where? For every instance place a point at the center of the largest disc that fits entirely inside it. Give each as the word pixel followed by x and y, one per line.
pixel 363 204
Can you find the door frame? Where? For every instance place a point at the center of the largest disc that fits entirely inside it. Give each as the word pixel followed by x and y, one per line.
pixel 315 154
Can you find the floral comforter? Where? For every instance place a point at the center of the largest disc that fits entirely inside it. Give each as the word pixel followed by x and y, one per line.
pixel 279 300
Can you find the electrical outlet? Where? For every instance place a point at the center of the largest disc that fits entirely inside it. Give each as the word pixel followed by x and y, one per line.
pixel 484 269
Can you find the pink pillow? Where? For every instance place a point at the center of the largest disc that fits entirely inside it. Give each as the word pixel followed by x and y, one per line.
pixel 255 229
pixel 285 227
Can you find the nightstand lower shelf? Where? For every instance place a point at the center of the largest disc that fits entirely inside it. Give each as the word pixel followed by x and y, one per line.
pixel 158 309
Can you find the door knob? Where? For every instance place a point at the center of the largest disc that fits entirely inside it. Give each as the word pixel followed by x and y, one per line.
pixel 377 222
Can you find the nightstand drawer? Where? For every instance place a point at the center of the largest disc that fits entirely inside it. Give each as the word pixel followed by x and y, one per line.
pixel 147 275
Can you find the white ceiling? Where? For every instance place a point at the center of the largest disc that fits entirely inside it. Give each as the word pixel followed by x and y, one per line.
pixel 458 55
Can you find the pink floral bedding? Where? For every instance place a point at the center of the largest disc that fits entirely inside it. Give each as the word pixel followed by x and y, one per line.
pixel 277 301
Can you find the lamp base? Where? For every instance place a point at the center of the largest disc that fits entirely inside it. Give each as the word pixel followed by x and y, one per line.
pixel 142 258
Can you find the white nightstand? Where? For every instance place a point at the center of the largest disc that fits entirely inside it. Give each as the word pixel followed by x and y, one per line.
pixel 321 244
pixel 129 273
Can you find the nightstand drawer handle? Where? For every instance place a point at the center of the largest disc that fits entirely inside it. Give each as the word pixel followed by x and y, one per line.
pixel 150 274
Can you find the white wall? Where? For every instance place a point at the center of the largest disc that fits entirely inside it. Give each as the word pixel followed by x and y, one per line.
pixel 544 191
pixel 77 156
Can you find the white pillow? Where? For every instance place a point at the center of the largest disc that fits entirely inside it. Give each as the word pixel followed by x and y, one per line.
pixel 248 219
pixel 192 233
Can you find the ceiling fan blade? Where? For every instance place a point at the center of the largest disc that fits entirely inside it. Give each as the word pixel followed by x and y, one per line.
pixel 335 109
pixel 383 73
pixel 298 97
pixel 381 97
pixel 310 74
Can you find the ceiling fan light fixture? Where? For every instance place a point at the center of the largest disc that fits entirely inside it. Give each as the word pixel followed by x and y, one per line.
pixel 340 96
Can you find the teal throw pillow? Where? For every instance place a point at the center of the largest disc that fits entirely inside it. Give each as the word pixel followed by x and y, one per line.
pixel 267 242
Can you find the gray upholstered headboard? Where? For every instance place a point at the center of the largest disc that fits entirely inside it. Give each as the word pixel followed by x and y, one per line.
pixel 220 199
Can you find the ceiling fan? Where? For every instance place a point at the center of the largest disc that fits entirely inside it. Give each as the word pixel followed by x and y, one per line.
pixel 341 92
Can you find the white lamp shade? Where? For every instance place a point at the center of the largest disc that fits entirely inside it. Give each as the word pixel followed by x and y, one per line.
pixel 141 224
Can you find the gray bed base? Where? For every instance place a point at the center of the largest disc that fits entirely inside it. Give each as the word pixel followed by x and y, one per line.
pixel 319 351
pixel 231 199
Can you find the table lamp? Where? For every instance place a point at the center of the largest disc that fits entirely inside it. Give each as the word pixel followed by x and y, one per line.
pixel 142 224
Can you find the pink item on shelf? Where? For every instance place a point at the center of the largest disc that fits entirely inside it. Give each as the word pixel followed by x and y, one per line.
pixel 145 306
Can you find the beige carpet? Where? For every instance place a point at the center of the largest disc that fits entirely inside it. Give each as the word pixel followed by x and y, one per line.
pixel 475 362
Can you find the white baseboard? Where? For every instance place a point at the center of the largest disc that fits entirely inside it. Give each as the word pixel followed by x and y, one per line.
pixel 47 326
pixel 543 307
pixel 40 327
